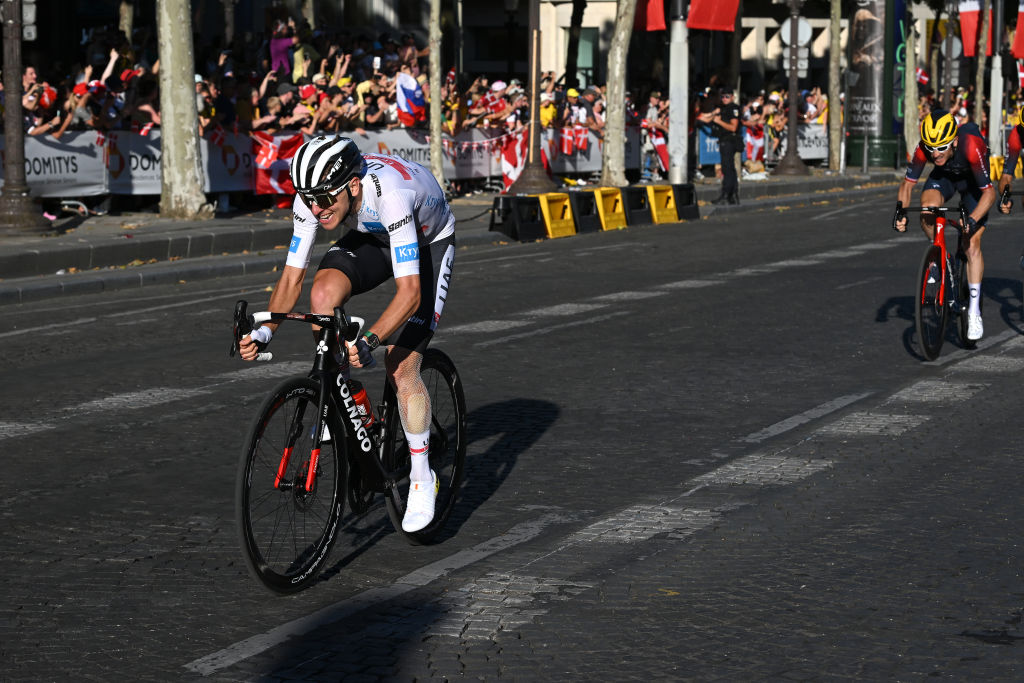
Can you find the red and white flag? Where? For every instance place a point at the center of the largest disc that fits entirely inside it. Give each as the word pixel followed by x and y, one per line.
pixel 568 141
pixel 140 129
pixel 713 15
pixel 582 137
pixel 267 154
pixel 513 159
pixel 922 76
pixel 970 25
pixel 658 140
pixel 217 136
pixel 276 178
pixel 1017 49
pixel 1020 74
pixel 650 16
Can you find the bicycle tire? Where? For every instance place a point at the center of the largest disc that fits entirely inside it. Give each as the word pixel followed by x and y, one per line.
pixel 963 297
pixel 286 533
pixel 930 311
pixel 447 445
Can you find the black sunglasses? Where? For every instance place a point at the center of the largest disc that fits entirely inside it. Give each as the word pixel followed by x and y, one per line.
pixel 324 200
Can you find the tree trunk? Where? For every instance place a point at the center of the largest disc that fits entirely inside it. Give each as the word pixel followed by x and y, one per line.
pixel 613 171
pixel 911 134
pixel 573 50
pixel 126 15
pixel 229 21
pixel 434 40
pixel 182 183
pixel 979 76
pixel 835 104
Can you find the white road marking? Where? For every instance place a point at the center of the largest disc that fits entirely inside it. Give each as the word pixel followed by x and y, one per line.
pixel 690 284
pixel 760 469
pixel 485 326
pixel 934 391
pixel 12 429
pixel 563 309
pixel 873 424
pixel 552 328
pixel 328 615
pixel 145 398
pixel 858 283
pixel 804 417
pixel 69 323
pixel 628 296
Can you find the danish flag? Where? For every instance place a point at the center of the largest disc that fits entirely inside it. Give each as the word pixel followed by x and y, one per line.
pixel 217 136
pixel 922 76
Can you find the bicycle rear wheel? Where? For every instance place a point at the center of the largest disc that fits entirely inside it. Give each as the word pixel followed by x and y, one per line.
pixel 447 445
pixel 286 530
pixel 963 299
pixel 930 311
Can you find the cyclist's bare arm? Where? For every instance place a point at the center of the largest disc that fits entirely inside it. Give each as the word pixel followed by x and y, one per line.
pixel 1005 182
pixel 402 306
pixel 903 197
pixel 986 202
pixel 283 299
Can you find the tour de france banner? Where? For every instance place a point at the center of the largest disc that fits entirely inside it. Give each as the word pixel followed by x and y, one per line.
pixel 91 163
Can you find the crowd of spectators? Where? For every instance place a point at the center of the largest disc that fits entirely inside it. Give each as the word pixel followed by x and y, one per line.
pixel 298 79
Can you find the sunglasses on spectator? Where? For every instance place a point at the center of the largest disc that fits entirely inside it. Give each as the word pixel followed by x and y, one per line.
pixel 324 200
pixel 939 149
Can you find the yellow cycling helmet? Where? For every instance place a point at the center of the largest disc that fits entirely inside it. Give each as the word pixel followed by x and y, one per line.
pixel 938 129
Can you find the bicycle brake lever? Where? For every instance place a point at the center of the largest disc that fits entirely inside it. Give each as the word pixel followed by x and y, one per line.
pixel 236 330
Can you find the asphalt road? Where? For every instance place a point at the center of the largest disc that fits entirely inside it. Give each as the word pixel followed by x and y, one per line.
pixel 706 451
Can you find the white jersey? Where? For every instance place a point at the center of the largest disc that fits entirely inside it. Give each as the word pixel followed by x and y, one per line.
pixel 403 207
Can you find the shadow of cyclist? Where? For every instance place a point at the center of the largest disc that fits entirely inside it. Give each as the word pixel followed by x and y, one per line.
pixel 498 433
pixel 1008 294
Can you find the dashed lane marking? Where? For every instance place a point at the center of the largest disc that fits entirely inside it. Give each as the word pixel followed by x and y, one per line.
pixel 934 391
pixel 140 399
pixel 761 469
pixel 873 424
pixel 344 608
pixel 804 417
pixel 553 328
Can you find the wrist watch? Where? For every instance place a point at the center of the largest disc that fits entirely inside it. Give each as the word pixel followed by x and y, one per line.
pixel 371 340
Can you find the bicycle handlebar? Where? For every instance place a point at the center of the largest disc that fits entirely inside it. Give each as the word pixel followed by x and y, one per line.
pixel 937 210
pixel 244 324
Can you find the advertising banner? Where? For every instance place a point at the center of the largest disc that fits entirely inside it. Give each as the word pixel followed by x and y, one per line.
pixel 867 58
pixel 89 163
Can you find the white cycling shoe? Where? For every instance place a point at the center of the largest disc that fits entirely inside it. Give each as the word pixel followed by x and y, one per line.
pixel 419 510
pixel 975 328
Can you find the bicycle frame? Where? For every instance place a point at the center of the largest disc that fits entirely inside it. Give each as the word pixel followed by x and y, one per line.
pixel 330 368
pixel 939 240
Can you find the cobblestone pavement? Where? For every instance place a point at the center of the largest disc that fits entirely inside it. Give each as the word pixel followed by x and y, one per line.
pixel 695 454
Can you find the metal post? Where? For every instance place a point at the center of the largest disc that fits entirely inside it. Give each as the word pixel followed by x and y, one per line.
pixel 18 214
pixel 791 164
pixel 995 88
pixel 947 75
pixel 534 179
pixel 679 97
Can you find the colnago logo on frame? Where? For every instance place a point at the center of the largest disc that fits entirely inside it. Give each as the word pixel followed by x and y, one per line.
pixel 409 252
pixel 353 415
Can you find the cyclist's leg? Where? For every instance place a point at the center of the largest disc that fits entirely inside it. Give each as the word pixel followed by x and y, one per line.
pixel 405 354
pixel 975 264
pixel 937 190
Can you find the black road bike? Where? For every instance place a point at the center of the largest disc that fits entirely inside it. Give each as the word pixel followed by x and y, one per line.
pixel 314 445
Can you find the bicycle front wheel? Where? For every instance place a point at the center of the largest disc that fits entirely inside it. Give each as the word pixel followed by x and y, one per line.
pixel 287 519
pixel 930 311
pixel 447 445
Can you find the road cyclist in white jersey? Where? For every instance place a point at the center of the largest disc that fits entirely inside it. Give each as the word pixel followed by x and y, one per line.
pixel 400 225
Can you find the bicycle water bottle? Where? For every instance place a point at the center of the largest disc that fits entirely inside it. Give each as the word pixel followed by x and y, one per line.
pixel 362 401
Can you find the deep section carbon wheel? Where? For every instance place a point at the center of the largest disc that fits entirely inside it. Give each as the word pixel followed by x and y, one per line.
pixel 288 520
pixel 447 445
pixel 930 310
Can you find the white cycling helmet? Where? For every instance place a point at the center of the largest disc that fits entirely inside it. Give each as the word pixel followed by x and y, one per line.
pixel 325 164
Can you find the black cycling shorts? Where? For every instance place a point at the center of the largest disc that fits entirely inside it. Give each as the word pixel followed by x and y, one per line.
pixel 949 186
pixel 366 261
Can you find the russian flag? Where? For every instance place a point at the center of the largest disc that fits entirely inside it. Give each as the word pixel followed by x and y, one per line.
pixel 409 97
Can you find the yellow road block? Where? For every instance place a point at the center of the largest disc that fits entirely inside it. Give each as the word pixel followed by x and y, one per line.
pixel 996 166
pixel 557 213
pixel 610 208
pixel 662 200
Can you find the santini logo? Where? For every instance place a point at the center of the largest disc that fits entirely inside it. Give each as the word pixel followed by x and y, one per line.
pixel 397 224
